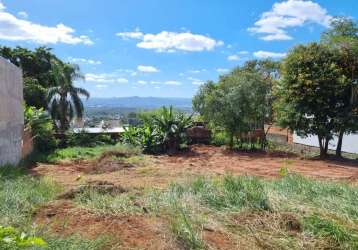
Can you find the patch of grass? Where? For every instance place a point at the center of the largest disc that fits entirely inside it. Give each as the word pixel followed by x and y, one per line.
pixel 87 153
pixel 75 243
pixel 20 194
pixel 334 197
pixel 327 228
pixel 232 193
pixel 106 203
pixel 183 228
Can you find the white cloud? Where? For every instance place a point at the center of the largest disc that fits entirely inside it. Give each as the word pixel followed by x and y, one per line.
pixel 196 71
pixel 233 58
pixel 273 24
pixel 221 70
pixel 166 41
pixel 136 34
pixel 172 83
pixel 155 82
pixel 15 29
pixel 104 78
pixel 22 14
pixel 84 61
pixel 243 52
pixel 122 80
pixel 195 81
pixel 268 54
pixel 101 86
pixel 142 82
pixel 147 69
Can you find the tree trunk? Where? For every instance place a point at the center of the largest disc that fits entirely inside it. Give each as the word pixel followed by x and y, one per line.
pixel 339 144
pixel 231 145
pixel 322 148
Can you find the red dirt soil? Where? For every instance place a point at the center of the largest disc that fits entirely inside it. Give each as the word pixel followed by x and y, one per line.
pixel 125 231
pixel 158 171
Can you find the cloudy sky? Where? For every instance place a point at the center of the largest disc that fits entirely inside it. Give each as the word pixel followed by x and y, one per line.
pixel 163 47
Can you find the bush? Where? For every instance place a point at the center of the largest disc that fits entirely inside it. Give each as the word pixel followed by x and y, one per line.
pixel 10 238
pixel 84 139
pixel 42 129
pixel 220 138
pixel 163 130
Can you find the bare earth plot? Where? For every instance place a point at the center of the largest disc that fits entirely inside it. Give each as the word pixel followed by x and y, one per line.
pixel 145 230
pixel 201 159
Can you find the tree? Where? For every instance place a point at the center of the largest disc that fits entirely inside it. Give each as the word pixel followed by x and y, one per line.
pixel 64 99
pixel 343 36
pixel 311 86
pixel 36 67
pixel 236 103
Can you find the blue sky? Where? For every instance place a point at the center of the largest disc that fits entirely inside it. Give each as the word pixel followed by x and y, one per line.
pixel 159 47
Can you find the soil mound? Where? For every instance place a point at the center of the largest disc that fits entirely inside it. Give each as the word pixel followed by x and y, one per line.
pixel 103 187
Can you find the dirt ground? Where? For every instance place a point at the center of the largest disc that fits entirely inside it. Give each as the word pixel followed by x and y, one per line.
pixel 148 231
pixel 199 160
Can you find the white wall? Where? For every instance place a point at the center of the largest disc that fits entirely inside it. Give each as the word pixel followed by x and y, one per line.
pixel 350 142
pixel 11 112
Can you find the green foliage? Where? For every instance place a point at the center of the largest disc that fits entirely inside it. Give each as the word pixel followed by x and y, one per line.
pixel 84 139
pixel 64 98
pixel 41 128
pixel 311 86
pixel 36 68
pixel 239 103
pixel 163 130
pixel 343 36
pixel 147 137
pixel 10 238
pixel 220 138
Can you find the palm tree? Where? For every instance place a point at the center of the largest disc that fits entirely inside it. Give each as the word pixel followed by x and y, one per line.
pixel 64 100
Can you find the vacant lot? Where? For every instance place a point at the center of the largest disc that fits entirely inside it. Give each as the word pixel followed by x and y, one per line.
pixel 204 198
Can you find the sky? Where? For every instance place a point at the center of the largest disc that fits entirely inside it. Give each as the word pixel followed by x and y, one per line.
pixel 164 48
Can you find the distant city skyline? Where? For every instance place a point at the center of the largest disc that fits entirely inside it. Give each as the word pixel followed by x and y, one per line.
pixel 164 48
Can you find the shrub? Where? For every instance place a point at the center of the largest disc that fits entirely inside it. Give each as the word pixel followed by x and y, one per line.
pixel 84 139
pixel 42 129
pixel 10 238
pixel 162 131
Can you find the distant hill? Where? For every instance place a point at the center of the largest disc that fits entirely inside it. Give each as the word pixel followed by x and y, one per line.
pixel 138 102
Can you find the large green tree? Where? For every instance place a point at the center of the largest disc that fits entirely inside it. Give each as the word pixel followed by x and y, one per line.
pixel 64 99
pixel 237 103
pixel 343 36
pixel 310 89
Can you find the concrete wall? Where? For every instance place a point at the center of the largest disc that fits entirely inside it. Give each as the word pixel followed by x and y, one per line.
pixel 11 112
pixel 350 142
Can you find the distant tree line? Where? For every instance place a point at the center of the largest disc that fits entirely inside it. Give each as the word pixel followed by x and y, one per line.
pixel 313 91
